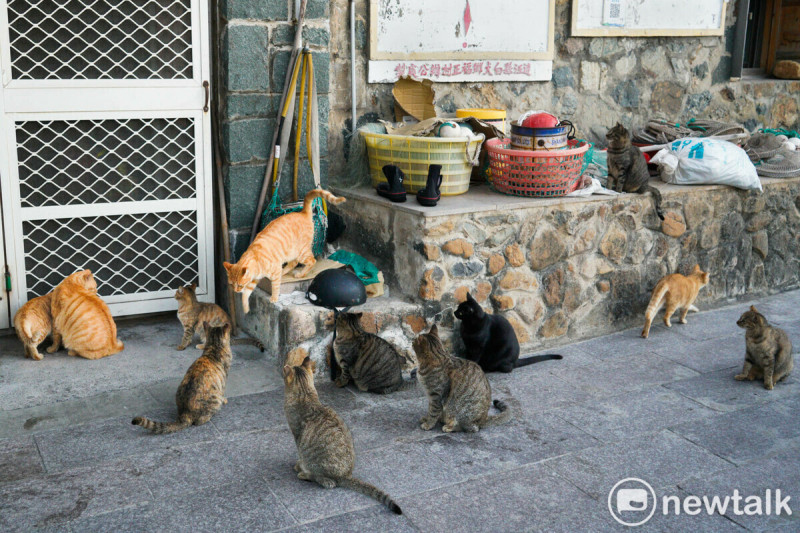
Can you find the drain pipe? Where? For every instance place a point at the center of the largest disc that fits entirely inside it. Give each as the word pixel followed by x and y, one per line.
pixel 353 65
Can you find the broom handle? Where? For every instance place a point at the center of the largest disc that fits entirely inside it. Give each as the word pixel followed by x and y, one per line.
pixel 299 133
pixel 267 182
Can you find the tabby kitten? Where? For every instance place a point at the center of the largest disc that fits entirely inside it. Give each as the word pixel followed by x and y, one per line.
pixel 678 291
pixel 202 392
pixel 324 444
pixel 769 350
pixel 286 240
pixel 34 323
pixel 458 391
pixel 192 313
pixel 490 340
pixel 627 167
pixel 372 363
pixel 82 320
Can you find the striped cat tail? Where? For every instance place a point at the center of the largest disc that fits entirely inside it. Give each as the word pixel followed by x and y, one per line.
pixel 502 418
pixel 656 200
pixel 315 193
pixel 248 341
pixel 159 428
pixel 370 490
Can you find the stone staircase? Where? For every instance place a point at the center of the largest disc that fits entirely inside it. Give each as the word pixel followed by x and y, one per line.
pixel 294 322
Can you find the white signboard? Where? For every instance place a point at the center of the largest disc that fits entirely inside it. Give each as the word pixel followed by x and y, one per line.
pixel 651 18
pixel 461 29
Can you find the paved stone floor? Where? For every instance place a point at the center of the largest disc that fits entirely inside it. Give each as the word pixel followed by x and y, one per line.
pixel 666 410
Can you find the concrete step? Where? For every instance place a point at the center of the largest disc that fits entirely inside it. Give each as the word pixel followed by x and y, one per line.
pixel 293 322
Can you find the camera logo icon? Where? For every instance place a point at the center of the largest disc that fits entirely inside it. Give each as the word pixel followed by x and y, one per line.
pixel 632 502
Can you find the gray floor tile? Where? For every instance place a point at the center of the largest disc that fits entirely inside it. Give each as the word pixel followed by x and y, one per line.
pixel 705 356
pixel 51 500
pixel 537 390
pixel 626 373
pixel 113 439
pixel 743 435
pixel 621 417
pixel 662 459
pixel 386 425
pixel 721 392
pixel 709 325
pixel 19 459
pixel 521 442
pixel 375 518
pixel 623 343
pixel 527 499
pixel 778 471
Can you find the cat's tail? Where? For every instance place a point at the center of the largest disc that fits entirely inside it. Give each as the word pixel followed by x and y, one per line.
pixel 248 341
pixel 370 490
pixel 315 193
pixel 160 428
pixel 656 199
pixel 502 418
pixel 537 359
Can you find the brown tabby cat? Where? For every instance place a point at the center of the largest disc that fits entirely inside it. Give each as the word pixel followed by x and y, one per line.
pixel 192 313
pixel 286 240
pixel 627 167
pixel 769 350
pixel 458 392
pixel 678 291
pixel 34 323
pixel 202 392
pixel 82 320
pixel 324 444
pixel 372 363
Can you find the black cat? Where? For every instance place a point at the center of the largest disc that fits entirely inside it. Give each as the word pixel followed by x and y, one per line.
pixel 490 340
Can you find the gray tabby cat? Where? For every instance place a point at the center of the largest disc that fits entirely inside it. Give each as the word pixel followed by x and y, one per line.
pixel 769 350
pixel 372 363
pixel 324 444
pixel 627 167
pixel 458 391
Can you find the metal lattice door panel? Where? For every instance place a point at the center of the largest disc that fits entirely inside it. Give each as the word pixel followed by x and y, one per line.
pixel 105 142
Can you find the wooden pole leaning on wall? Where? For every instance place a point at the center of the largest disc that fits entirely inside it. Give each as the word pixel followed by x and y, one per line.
pixel 216 67
pixel 266 184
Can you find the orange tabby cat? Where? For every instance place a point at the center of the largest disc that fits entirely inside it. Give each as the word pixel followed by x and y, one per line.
pixel 678 291
pixel 82 319
pixel 286 240
pixel 33 323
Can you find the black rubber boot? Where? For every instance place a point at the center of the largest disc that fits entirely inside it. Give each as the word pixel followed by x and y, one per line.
pixel 431 194
pixel 393 190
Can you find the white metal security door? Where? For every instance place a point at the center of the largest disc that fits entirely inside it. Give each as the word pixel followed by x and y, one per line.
pixel 106 147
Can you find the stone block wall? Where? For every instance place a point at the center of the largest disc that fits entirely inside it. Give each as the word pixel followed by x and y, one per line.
pixel 257 37
pixel 565 270
pixel 596 82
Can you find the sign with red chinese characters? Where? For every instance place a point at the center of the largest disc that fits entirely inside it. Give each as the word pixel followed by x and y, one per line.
pixel 461 71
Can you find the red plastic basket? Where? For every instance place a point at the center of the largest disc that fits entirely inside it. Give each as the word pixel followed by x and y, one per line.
pixel 536 174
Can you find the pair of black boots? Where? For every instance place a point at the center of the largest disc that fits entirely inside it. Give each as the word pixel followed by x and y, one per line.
pixel 394 191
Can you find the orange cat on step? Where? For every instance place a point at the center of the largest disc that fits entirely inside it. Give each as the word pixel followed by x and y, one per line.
pixel 286 240
pixel 678 291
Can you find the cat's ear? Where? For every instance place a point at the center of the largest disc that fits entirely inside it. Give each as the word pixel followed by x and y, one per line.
pixel 227 266
pixel 434 331
pixel 753 309
pixel 287 371
pixel 243 271
pixel 87 274
pixel 358 315
pixel 193 286
pixel 226 328
pixel 470 298
pixel 180 290
pixel 309 364
pixel 696 269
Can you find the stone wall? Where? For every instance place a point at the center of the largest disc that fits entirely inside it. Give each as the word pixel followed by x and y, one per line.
pixel 567 269
pixel 596 82
pixel 257 37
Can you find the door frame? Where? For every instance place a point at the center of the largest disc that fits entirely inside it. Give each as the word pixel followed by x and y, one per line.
pixel 111 99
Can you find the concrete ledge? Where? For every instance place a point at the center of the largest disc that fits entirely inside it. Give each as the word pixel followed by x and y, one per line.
pixel 570 268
